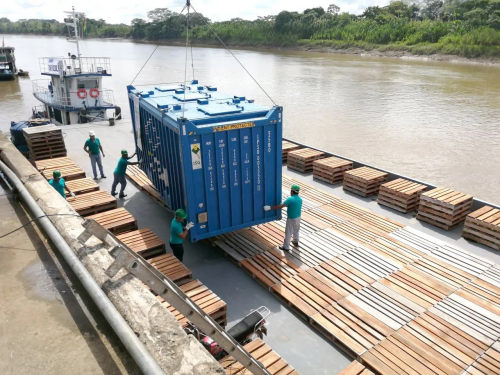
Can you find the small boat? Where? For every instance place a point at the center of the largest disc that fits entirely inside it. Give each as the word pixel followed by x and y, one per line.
pixel 8 68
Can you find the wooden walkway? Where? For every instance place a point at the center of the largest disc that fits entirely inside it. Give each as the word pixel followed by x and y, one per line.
pixel 397 300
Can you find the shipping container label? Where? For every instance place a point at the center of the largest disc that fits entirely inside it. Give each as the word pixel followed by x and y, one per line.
pixel 196 156
pixel 242 125
pixel 137 115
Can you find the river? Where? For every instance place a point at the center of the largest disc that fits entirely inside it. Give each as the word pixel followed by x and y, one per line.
pixel 438 122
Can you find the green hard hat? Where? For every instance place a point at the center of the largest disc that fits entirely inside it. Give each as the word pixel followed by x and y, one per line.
pixel 124 152
pixel 296 188
pixel 180 213
pixel 56 174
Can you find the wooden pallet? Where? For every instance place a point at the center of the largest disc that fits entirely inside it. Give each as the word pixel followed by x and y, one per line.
pixel 243 244
pixel 400 194
pixel 444 208
pixel 287 147
pixel 355 368
pixel 144 242
pixel 207 300
pixel 92 203
pixel 116 221
pixel 69 172
pixel 53 163
pixel 171 267
pixel 483 226
pixel 82 186
pixel 44 142
pixel 364 181
pixel 392 249
pixel 302 159
pixel 138 177
pixel 331 169
pixel 262 352
pixel 462 259
pixel 488 363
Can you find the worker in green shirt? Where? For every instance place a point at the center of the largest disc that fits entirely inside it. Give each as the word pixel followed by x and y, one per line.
pixel 178 233
pixel 93 148
pixel 59 184
pixel 119 173
pixel 294 211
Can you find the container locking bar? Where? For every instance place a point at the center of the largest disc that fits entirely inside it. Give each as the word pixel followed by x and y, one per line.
pixel 126 258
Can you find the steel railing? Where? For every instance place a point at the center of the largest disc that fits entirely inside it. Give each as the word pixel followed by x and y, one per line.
pixel 68 66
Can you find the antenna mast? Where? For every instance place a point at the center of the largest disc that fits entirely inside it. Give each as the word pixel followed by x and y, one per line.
pixel 73 22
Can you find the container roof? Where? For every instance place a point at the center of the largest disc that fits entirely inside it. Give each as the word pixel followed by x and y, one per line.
pixel 201 102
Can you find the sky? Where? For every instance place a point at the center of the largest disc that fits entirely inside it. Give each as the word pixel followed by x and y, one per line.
pixel 123 11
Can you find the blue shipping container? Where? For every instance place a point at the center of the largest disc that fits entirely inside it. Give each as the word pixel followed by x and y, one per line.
pixel 217 156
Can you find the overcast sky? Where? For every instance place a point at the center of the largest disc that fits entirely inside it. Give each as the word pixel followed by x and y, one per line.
pixel 118 11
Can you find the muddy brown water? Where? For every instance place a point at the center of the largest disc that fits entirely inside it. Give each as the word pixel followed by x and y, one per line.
pixel 438 122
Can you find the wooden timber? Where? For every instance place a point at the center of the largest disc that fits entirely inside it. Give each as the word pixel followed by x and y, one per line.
pixel 117 221
pixel 144 242
pixel 53 163
pixel 69 172
pixel 287 147
pixel 171 267
pixel 400 194
pixel 44 142
pixel 331 169
pixel 483 226
pixel 302 159
pixel 139 178
pixel 364 181
pixel 82 186
pixel 355 368
pixel 92 203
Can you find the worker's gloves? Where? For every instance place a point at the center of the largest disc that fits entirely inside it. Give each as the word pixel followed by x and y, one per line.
pixel 72 194
pixel 189 225
pixel 267 208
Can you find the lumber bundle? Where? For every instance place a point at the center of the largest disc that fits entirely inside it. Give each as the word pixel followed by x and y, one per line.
pixel 92 203
pixel 144 242
pixel 483 226
pixel 302 159
pixel 287 147
pixel 69 172
pixel 364 181
pixel 171 267
pixel 444 208
pixel 331 169
pixel 207 300
pixel 400 194
pixel 44 142
pixel 116 221
pixel 263 353
pixel 82 186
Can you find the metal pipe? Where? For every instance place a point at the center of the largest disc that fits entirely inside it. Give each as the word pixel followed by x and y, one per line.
pixel 135 347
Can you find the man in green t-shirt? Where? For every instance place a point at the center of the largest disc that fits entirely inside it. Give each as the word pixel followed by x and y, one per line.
pixel 119 174
pixel 294 211
pixel 93 148
pixel 59 184
pixel 178 233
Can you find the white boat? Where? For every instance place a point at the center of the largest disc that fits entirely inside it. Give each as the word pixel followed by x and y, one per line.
pixel 74 93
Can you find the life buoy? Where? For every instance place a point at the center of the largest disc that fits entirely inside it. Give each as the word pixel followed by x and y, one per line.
pixel 82 93
pixel 94 93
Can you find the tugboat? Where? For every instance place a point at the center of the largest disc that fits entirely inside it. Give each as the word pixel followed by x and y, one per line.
pixel 74 92
pixel 8 69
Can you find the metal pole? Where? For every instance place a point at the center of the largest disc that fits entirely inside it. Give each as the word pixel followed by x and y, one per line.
pixel 135 347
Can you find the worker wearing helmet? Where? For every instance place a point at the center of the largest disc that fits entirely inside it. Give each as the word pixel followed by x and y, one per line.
pixel 178 233
pixel 93 148
pixel 59 184
pixel 119 173
pixel 294 210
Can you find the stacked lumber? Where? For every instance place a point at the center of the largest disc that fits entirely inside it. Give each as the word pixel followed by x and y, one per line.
pixel 44 142
pixel 271 360
pixel 82 186
pixel 92 203
pixel 287 147
pixel 144 242
pixel 137 176
pixel 116 221
pixel 171 267
pixel 483 226
pixel 302 160
pixel 53 163
pixel 68 172
pixel 207 300
pixel 364 181
pixel 400 194
pixel 331 169
pixel 355 368
pixel 444 208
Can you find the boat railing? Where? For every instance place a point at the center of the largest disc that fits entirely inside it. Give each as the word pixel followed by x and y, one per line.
pixel 68 67
pixel 46 93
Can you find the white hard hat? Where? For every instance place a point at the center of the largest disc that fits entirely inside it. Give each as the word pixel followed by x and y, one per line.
pixel 91 133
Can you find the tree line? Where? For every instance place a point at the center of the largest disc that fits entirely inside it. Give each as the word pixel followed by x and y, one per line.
pixel 467 28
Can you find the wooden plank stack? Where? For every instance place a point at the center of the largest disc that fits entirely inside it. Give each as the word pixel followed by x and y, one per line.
pixel 82 186
pixel 53 163
pixel 364 181
pixel 207 300
pixel 144 242
pixel 69 172
pixel 44 142
pixel 171 267
pixel 302 160
pixel 142 182
pixel 116 221
pixel 355 368
pixel 92 203
pixel 331 169
pixel 483 226
pixel 287 147
pixel 400 194
pixel 444 208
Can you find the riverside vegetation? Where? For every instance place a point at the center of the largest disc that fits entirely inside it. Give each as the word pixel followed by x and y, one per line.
pixel 463 28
